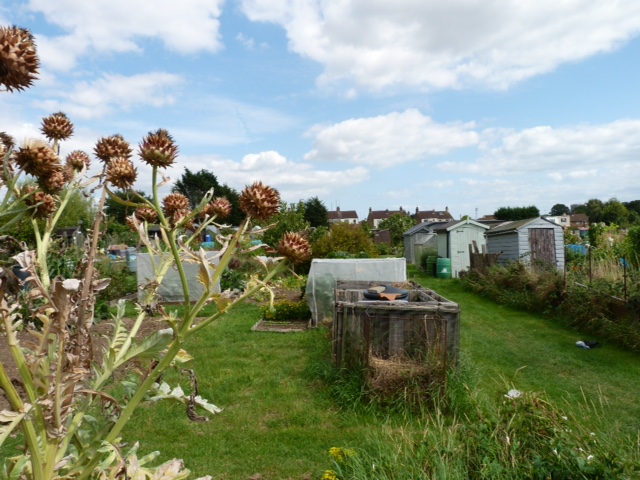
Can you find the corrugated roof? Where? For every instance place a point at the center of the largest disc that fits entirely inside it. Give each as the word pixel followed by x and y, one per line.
pixel 421 226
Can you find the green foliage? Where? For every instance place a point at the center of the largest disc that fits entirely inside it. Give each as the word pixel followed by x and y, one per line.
pixel 516 213
pixel 316 213
pixel 426 253
pixel 397 224
pixel 286 311
pixel 116 211
pixel 290 219
pixel 232 280
pixel 342 237
pixel 118 234
pixel 194 186
pixel 559 209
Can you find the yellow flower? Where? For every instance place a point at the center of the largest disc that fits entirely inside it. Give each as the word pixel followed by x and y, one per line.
pixel 329 475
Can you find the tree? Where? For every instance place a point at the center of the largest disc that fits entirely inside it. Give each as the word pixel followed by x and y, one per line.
pixel 316 213
pixel 194 186
pixel 516 213
pixel 397 224
pixel 559 209
pixel 594 209
pixel 347 238
pixel 614 212
pixel 116 211
pixel 290 219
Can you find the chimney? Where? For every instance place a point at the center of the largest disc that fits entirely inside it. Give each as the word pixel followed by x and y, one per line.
pixel 337 209
pixel 446 209
pixel 417 210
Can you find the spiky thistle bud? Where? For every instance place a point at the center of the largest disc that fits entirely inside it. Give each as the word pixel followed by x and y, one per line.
pixel 131 223
pixel 295 247
pixel 111 147
pixel 6 143
pixel 158 149
pixel 146 214
pixel 44 203
pixel 175 207
pixel 78 160
pixel 37 158
pixel 121 173
pixel 57 126
pixel 19 61
pixel 53 182
pixel 219 207
pixel 260 201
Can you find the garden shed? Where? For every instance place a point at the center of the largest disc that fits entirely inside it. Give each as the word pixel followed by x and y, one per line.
pixel 454 238
pixel 529 241
pixel 325 273
pixel 417 240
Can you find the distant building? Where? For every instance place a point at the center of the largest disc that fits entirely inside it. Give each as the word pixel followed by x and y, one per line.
pixel 579 220
pixel 562 220
pixel 376 216
pixel 433 215
pixel 346 216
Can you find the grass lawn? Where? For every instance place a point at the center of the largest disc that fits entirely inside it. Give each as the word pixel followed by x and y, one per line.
pixel 278 422
pixel 540 355
pixel 275 421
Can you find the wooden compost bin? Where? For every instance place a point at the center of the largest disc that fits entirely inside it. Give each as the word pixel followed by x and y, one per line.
pixel 424 329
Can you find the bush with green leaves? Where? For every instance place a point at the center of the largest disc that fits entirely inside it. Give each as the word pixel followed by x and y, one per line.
pixel 342 237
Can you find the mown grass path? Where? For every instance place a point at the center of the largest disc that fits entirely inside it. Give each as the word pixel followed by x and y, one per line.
pixel 539 354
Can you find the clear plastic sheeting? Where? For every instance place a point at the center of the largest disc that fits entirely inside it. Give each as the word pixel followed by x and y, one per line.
pixel 324 274
pixel 171 287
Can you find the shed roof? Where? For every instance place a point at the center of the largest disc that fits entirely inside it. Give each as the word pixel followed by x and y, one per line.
pixel 426 227
pixel 448 226
pixel 514 225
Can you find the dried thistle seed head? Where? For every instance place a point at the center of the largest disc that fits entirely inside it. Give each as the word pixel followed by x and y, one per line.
pixel 179 215
pixel 57 126
pixel 295 247
pixel 175 202
pixel 158 149
pixel 19 61
pixel 44 203
pixel 219 207
pixel 78 160
pixel 54 182
pixel 121 172
pixel 130 223
pixel 6 143
pixel 260 201
pixel 37 158
pixel 146 214
pixel 111 147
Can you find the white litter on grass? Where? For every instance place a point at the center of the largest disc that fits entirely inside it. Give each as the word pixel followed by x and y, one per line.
pixel 513 393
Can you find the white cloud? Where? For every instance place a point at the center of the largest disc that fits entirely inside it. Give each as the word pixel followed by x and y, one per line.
pixel 115 92
pixel 119 25
pixel 388 140
pixel 457 43
pixel 293 180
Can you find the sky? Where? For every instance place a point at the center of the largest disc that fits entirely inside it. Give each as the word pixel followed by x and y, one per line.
pixel 469 105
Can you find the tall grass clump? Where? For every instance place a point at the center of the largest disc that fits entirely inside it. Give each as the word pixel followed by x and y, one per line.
pixel 598 300
pixel 519 435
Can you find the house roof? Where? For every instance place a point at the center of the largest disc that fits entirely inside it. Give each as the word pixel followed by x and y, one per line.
pixel 339 214
pixel 433 214
pixel 579 217
pixel 382 214
pixel 512 226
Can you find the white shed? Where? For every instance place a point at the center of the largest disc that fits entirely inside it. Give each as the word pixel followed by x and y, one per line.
pixel 528 241
pixel 416 240
pixel 453 240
